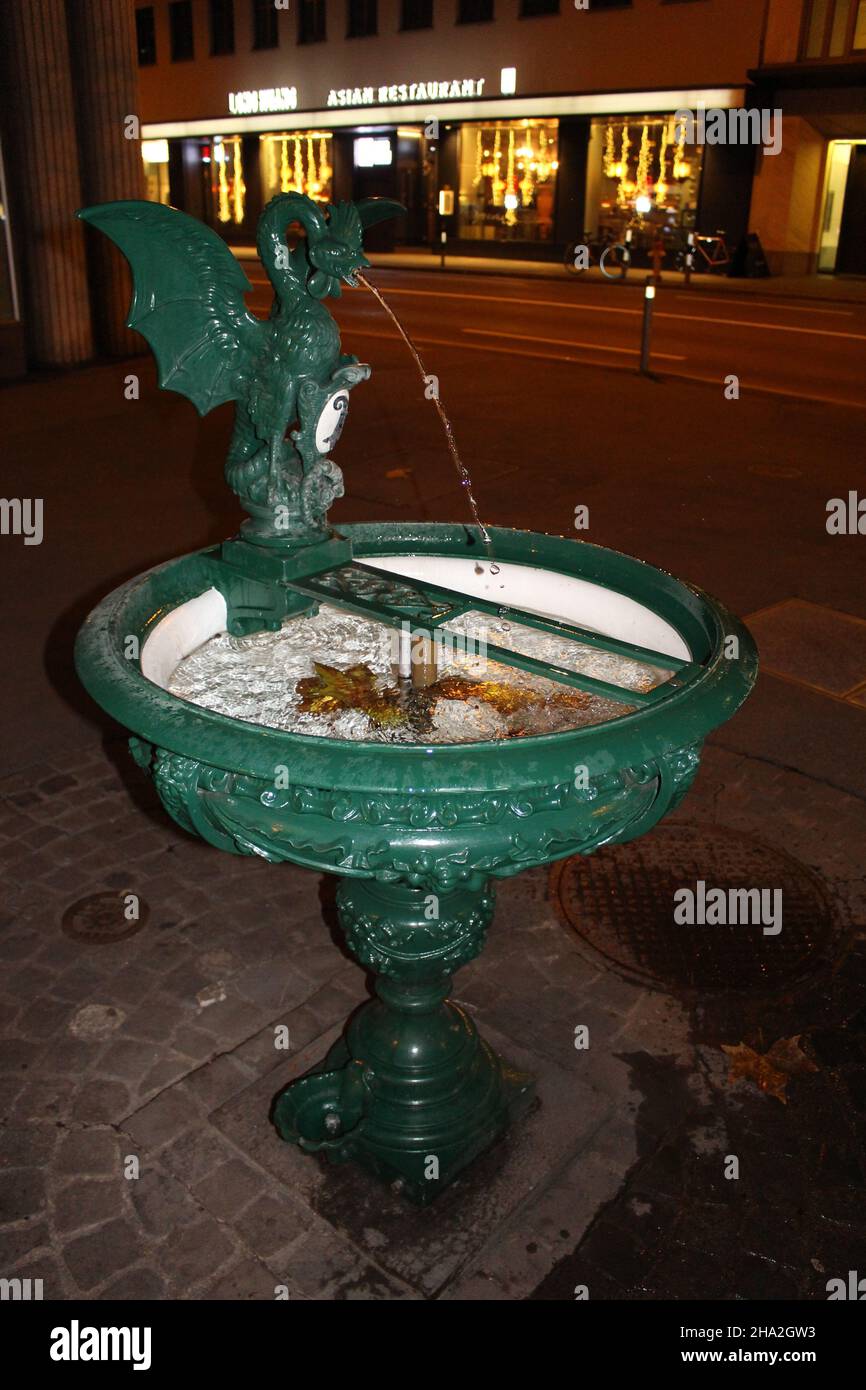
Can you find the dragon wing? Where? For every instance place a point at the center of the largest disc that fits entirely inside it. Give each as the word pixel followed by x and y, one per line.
pixel 373 210
pixel 187 299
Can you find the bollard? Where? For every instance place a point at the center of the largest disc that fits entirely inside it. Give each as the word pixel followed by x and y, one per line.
pixel 690 255
pixel 443 237
pixel 649 295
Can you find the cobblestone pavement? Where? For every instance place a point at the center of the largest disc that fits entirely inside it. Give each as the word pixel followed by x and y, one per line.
pixel 139 1163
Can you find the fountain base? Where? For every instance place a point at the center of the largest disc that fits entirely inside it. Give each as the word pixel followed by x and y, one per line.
pixel 411 1091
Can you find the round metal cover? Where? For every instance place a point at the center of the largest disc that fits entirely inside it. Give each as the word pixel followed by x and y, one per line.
pixel 102 918
pixel 620 901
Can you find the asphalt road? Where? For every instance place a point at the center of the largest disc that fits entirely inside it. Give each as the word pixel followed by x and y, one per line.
pixel 785 346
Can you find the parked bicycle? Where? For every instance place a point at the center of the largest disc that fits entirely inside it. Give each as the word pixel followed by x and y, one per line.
pixel 708 253
pixel 611 256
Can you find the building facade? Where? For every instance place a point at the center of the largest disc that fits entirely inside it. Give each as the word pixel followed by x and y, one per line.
pixel 542 120
pixel 810 202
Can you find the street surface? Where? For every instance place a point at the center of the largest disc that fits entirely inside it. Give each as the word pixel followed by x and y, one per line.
pixel 791 347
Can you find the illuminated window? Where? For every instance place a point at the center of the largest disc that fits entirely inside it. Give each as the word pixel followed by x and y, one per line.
pixel 154 157
pixel 297 161
pixel 641 174
pixel 508 172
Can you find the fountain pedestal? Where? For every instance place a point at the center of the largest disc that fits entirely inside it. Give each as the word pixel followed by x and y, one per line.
pixel 411 1091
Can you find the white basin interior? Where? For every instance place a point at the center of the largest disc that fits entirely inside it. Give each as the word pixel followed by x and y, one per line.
pixel 545 593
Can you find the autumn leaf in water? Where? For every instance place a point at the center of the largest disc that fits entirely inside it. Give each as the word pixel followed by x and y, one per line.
pixel 507 699
pixel 770 1071
pixel 331 690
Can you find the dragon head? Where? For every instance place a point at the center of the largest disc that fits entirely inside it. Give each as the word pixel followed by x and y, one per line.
pixel 337 254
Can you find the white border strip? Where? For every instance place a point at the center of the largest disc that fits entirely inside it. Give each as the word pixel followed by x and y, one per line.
pixel 596 104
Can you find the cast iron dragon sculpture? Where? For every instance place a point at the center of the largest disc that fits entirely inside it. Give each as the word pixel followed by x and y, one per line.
pixel 287 370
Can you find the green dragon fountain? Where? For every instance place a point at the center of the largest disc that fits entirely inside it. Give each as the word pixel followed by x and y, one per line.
pixel 417 829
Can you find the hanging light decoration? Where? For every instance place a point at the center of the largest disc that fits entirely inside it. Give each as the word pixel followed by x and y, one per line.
pixel 610 165
pixel 510 198
pixel 239 188
pixel 298 169
pixel 661 183
pixel 479 167
pixel 682 168
pixel 325 170
pixel 219 155
pixel 498 189
pixel 285 166
pixel 643 163
pixel 544 166
pixel 625 185
pixel 527 183
pixel 313 184
pixel 271 157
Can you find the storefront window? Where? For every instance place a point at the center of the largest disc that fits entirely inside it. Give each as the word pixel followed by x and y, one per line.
pixel 508 180
pixel 299 161
pixel 154 156
pixel 641 172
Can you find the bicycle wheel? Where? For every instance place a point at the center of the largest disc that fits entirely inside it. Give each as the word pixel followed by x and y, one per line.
pixel 571 258
pixel 614 261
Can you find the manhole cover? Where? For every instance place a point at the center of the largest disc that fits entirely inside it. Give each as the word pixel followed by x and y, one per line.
pixel 620 901
pixel 103 918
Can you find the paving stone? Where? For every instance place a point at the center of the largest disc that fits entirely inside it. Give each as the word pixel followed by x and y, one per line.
pixel 194 1253
pixel 95 1257
pixel 137 1285
pixel 213 1084
pixel 271 1223
pixel 87 1203
pixel 100 1100
pixel 22 1145
pixel 161 1203
pixel 89 1152
pixel 45 1266
pixel 161 1120
pixel 18 1242
pixel 242 1282
pixel 22 1194
pixel 196 1154
pixel 230 1188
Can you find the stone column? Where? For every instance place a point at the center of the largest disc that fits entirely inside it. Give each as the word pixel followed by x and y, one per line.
pixel 105 72
pixel 41 149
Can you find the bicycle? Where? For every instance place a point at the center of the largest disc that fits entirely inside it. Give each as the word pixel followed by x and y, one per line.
pixel 708 253
pixel 612 257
